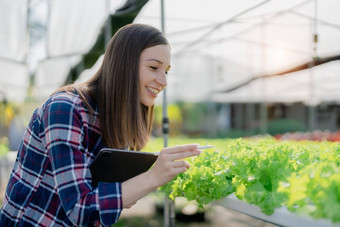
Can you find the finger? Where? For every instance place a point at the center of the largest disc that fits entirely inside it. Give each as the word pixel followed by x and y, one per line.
pixel 179 164
pixel 180 170
pixel 181 148
pixel 184 154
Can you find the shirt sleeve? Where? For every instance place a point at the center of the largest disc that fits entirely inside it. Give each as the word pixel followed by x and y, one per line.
pixel 64 132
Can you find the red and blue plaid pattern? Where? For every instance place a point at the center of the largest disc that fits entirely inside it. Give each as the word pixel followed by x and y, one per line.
pixel 50 184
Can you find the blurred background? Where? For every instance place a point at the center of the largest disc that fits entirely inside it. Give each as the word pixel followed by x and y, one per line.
pixel 239 68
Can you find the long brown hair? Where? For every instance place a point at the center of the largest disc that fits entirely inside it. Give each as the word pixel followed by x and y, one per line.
pixel 124 121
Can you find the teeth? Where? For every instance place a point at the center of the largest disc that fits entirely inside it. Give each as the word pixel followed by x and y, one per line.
pixel 153 90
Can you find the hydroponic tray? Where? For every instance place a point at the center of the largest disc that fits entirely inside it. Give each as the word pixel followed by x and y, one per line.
pixel 281 216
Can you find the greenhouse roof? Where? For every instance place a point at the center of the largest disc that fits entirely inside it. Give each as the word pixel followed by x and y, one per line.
pixel 240 51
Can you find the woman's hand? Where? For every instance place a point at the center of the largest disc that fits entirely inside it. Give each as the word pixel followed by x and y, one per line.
pixel 169 163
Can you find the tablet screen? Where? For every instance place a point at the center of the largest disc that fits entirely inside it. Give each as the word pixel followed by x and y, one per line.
pixel 115 165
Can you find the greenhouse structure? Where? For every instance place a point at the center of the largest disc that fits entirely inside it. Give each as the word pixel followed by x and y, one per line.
pixel 239 70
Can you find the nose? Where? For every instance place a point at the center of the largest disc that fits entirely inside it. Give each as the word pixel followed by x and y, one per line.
pixel 161 79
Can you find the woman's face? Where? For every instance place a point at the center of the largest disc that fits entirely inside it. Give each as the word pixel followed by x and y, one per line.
pixel 154 64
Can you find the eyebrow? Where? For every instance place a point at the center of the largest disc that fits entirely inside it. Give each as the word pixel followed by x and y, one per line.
pixel 152 59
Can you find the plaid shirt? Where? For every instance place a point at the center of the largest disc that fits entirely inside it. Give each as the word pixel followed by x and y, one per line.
pixel 50 184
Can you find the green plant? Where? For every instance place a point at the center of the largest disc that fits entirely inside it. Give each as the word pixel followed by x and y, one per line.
pixel 3 147
pixel 265 172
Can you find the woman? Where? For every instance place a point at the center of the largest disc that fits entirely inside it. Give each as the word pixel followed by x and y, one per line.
pixel 51 182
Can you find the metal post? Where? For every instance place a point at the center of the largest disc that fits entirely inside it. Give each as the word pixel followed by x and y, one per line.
pixel 263 104
pixel 169 211
pixel 312 98
pixel 264 118
pixel 165 125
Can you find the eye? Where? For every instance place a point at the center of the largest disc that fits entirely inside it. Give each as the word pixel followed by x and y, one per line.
pixel 153 68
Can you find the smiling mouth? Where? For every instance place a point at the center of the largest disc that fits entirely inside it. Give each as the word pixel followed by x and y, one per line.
pixel 153 90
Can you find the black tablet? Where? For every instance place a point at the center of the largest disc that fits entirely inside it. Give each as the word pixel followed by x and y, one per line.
pixel 115 165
